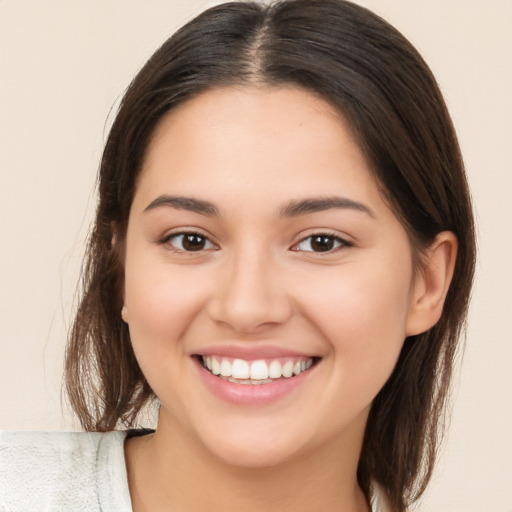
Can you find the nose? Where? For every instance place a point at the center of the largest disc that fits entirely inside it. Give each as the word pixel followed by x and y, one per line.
pixel 251 294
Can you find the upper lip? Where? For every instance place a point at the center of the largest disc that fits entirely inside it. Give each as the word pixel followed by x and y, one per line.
pixel 250 352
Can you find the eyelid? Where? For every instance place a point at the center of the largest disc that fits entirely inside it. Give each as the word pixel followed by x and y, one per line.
pixel 342 240
pixel 166 239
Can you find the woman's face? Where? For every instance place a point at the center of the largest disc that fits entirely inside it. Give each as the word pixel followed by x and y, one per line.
pixel 258 244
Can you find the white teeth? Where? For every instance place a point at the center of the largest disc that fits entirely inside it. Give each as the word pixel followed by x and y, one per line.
pixel 259 370
pixel 287 369
pixel 274 370
pixel 215 366
pixel 240 371
pixel 225 368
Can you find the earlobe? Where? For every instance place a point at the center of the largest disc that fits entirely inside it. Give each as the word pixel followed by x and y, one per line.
pixel 432 284
pixel 113 240
pixel 118 247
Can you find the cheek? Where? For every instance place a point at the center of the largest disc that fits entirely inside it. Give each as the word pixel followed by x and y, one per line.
pixel 362 314
pixel 162 301
pixel 354 301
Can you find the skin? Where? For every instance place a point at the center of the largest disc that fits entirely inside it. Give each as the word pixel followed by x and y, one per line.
pixel 257 281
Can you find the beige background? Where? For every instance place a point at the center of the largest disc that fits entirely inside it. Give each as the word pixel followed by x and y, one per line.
pixel 64 64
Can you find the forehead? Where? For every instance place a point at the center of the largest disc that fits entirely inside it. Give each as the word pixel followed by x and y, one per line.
pixel 224 115
pixel 254 143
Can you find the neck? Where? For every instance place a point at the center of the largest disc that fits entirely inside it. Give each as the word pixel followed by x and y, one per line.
pixel 169 470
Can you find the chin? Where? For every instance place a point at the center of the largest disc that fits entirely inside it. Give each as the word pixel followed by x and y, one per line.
pixel 251 448
pixel 252 457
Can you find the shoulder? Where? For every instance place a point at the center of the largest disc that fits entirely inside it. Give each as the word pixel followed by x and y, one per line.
pixel 63 471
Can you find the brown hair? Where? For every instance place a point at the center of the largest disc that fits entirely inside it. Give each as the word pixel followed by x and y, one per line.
pixel 373 75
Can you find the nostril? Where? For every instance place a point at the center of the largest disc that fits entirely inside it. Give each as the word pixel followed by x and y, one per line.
pixel 249 317
pixel 249 297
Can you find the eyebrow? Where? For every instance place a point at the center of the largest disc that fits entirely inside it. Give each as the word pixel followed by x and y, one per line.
pixel 184 203
pixel 305 206
pixel 294 208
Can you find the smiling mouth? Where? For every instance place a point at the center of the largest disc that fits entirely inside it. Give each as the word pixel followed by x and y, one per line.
pixel 261 371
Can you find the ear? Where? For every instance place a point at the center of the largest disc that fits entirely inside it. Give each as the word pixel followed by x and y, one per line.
pixel 117 246
pixel 432 284
pixel 113 229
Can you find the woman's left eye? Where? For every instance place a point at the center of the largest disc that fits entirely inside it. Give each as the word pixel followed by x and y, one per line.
pixel 321 243
pixel 189 242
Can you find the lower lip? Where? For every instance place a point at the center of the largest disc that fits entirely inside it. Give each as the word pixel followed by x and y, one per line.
pixel 251 394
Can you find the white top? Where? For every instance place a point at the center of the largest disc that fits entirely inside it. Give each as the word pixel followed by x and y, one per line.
pixel 63 472
pixel 69 472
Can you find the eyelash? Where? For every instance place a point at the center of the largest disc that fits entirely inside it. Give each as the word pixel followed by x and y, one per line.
pixel 167 240
pixel 337 242
pixel 334 239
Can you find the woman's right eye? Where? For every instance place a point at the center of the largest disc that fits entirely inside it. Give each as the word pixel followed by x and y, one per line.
pixel 188 242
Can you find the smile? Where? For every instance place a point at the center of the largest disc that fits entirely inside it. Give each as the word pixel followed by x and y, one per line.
pixel 261 371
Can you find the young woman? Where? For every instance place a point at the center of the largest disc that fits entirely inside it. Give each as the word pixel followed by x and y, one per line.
pixel 282 257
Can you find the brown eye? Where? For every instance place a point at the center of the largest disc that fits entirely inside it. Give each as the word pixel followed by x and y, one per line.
pixel 193 242
pixel 321 243
pixel 189 242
